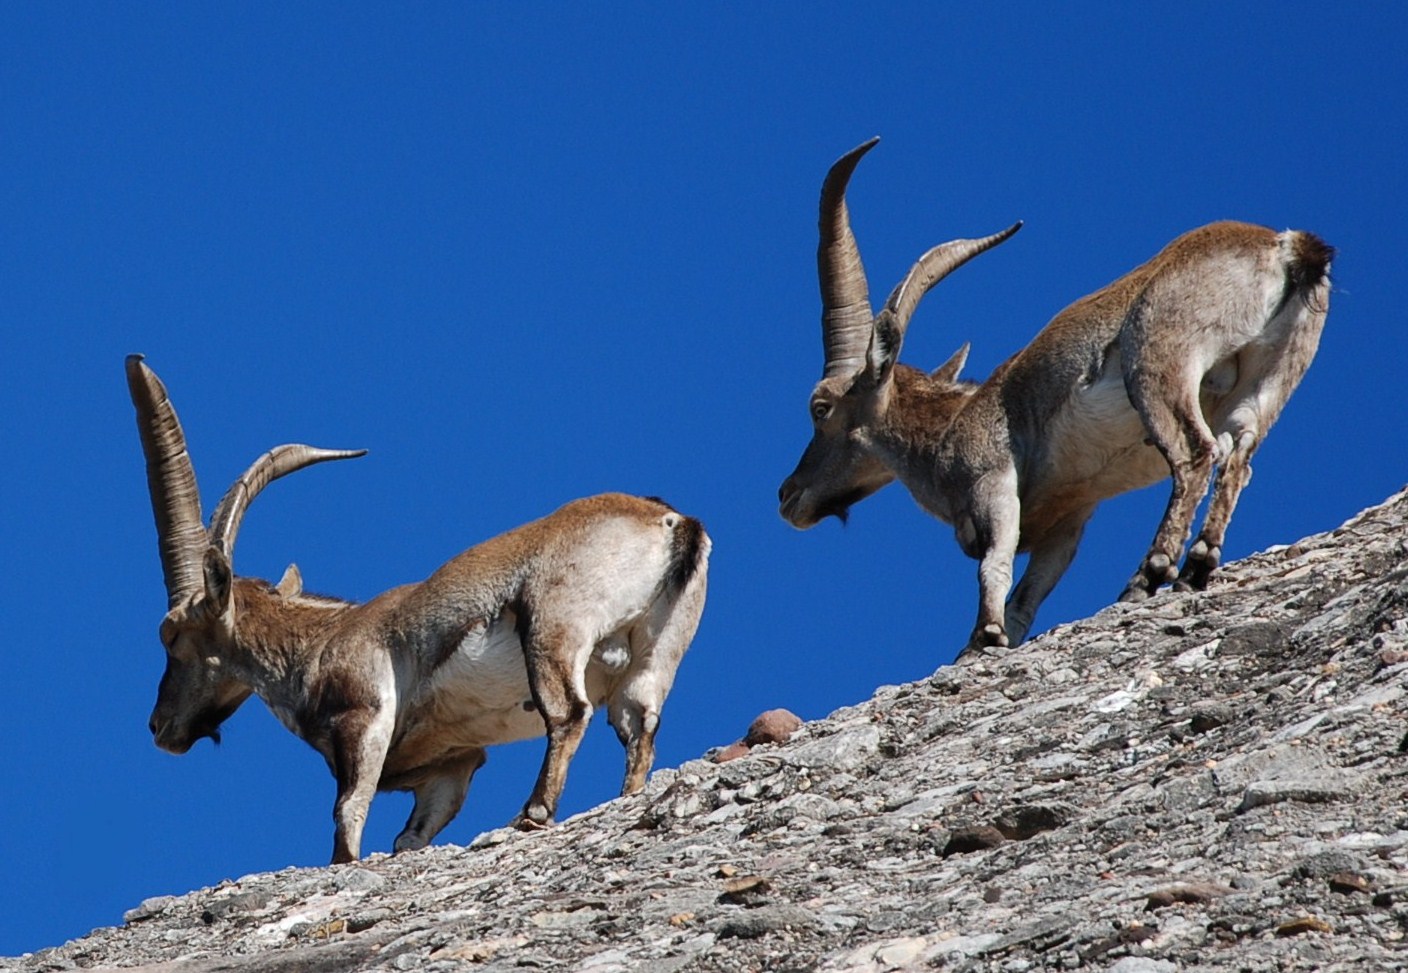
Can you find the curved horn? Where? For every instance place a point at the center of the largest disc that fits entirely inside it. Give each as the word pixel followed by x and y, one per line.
pixel 277 462
pixel 933 267
pixel 171 480
pixel 845 298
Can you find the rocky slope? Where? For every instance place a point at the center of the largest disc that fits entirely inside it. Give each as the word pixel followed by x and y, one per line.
pixel 1202 782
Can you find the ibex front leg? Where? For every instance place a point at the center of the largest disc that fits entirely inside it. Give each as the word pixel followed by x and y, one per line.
pixel 360 738
pixel 1050 556
pixel 991 533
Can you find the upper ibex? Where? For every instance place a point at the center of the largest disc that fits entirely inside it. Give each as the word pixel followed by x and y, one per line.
pixel 526 632
pixel 1181 365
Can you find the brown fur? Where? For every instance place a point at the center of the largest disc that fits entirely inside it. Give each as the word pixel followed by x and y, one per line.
pixel 1178 367
pixel 592 605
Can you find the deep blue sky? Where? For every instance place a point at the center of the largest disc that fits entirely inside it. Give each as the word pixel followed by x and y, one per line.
pixel 524 253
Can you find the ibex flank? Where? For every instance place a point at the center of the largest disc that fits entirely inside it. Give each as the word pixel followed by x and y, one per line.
pixel 522 635
pixel 1178 368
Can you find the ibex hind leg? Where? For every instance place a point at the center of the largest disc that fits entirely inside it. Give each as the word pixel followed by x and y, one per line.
pixel 658 643
pixel 1242 421
pixel 556 667
pixel 438 800
pixel 1178 430
pixel 1233 474
pixel 634 712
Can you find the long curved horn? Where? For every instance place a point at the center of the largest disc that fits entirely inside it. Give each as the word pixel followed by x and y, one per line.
pixel 933 267
pixel 277 462
pixel 171 480
pixel 845 298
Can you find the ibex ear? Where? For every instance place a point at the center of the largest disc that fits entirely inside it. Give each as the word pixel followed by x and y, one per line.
pixel 948 371
pixel 219 578
pixel 885 340
pixel 291 584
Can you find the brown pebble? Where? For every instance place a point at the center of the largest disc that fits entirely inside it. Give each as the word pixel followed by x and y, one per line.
pixel 1304 924
pixel 1350 882
pixel 774 726
pixel 1391 657
pixel 745 890
pixel 1192 892
pixel 731 752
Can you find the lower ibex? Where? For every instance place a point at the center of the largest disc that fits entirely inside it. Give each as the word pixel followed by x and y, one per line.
pixel 1180 366
pixel 524 634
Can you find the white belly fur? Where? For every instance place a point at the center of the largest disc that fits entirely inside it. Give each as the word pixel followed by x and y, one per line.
pixel 479 696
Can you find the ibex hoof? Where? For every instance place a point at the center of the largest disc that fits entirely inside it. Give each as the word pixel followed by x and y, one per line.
pixel 1198 566
pixel 413 842
pixel 534 819
pixel 1157 569
pixel 990 636
pixel 1135 592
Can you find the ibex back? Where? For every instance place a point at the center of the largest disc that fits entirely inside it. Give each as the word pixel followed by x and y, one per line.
pixel 522 635
pixel 1178 367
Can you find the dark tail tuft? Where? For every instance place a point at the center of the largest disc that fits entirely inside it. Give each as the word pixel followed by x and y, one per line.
pixel 687 548
pixel 1309 265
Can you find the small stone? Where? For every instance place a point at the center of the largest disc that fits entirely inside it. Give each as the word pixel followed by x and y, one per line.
pixel 1347 883
pixel 900 953
pixel 1263 792
pixel 478 952
pixel 965 840
pixel 1143 964
pixel 365 920
pixel 1209 716
pixel 731 752
pixel 242 903
pixel 1327 864
pixel 148 908
pixel 1028 820
pixel 774 726
pixel 1303 925
pixel 1392 657
pixel 1190 892
pixel 357 880
pixel 754 923
pixel 745 890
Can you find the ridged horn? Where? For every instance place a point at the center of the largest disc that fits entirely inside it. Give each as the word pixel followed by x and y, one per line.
pixel 845 298
pixel 171 481
pixel 933 267
pixel 277 462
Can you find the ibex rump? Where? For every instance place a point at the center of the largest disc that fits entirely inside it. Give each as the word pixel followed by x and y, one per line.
pixel 524 634
pixel 1178 367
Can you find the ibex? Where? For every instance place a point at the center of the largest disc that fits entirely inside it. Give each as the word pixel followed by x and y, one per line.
pixel 522 635
pixel 1180 366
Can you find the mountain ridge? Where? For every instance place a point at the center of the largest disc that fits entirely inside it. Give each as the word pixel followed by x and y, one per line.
pixel 1205 781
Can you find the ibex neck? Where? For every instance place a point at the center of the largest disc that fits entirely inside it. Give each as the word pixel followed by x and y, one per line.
pixel 277 633
pixel 918 415
pixel 911 435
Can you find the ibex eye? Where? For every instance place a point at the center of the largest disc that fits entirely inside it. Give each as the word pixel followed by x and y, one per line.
pixel 820 410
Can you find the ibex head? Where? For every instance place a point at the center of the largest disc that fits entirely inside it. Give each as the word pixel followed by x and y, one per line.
pixel 838 469
pixel 197 691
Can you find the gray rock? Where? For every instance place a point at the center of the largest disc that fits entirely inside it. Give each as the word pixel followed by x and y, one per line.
pixel 1202 782
pixel 847 750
